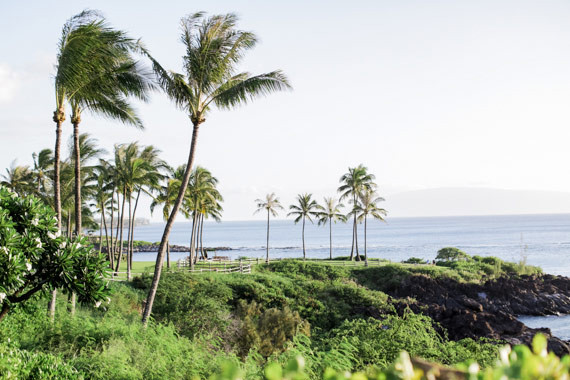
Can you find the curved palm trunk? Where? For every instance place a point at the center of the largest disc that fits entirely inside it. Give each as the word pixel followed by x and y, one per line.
pixel 303 236
pixel 120 227
pixel 58 118
pixel 267 246
pixel 168 227
pixel 330 236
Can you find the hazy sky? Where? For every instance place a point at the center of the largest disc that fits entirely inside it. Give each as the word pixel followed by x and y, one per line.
pixel 427 94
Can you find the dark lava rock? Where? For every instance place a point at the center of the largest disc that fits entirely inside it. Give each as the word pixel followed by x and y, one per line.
pixel 489 309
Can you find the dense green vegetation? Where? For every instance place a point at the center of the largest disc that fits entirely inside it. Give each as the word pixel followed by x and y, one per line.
pixel 335 317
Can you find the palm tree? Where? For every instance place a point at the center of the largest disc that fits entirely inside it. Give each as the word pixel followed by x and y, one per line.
pixel 117 76
pixel 102 176
pixel 214 47
pixel 19 179
pixel 271 204
pixel 367 205
pixel 201 196
pixel 355 181
pixel 166 196
pixel 330 213
pixel 304 209
pixel 43 163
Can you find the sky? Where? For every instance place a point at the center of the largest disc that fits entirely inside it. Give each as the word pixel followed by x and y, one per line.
pixel 428 95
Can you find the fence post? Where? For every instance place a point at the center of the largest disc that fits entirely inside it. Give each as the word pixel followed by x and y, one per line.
pixel 258 261
pixel 240 266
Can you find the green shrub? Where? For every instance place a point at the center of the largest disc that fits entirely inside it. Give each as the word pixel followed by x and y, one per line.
pixel 414 260
pixel 451 254
pixel 267 331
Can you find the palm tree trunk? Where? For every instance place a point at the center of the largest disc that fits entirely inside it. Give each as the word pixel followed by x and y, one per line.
pixel 69 224
pixel 120 226
pixel 267 246
pixel 330 236
pixel 112 247
pixel 192 240
pixel 129 239
pixel 365 254
pixel 101 234
pixel 133 226
pixel 77 155
pixel 356 240
pixel 353 228
pixel 168 227
pixel 303 236
pixel 58 117
pixel 116 245
pixel 168 255
pixel 109 253
pixel 201 237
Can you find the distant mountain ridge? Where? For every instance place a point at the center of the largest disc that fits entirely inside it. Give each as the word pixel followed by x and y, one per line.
pixel 456 201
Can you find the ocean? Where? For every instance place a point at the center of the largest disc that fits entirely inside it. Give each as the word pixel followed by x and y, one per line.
pixel 542 240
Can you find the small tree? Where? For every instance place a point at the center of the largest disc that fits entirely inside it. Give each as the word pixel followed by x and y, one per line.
pixel 451 254
pixel 35 258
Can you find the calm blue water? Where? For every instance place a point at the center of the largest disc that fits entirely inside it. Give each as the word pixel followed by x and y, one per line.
pixel 543 239
pixel 559 325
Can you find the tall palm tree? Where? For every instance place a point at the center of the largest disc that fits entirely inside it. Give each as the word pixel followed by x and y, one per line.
pixel 304 209
pixel 166 196
pixel 367 206
pixel 330 213
pixel 214 48
pixel 72 59
pixel 102 176
pixel 118 76
pixel 202 194
pixel 355 181
pixel 271 204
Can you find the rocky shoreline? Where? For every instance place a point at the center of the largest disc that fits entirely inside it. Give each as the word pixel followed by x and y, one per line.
pixel 154 248
pixel 489 309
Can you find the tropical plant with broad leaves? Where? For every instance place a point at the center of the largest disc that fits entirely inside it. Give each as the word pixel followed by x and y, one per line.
pixel 330 213
pixel 214 48
pixel 270 204
pixel 34 257
pixel 305 209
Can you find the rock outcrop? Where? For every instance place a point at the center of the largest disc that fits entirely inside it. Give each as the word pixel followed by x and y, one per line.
pixel 489 309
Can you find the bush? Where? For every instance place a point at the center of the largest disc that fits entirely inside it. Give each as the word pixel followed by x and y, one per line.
pixel 267 331
pixel 414 260
pixel 451 254
pixel 35 258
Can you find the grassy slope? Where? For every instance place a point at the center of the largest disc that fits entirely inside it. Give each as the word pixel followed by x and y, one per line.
pixel 318 310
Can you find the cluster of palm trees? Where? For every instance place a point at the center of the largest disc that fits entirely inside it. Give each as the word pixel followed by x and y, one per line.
pixel 111 189
pixel 357 185
pixel 99 72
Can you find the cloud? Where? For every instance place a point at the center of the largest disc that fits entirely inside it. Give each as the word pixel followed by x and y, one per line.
pixel 9 83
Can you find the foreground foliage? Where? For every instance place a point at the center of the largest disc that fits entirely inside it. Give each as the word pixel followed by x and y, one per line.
pixel 35 258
